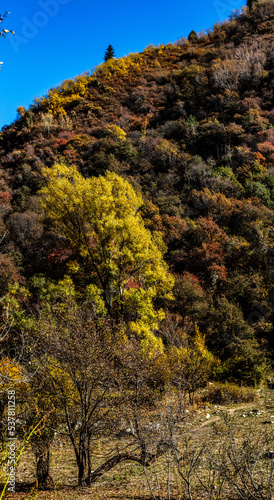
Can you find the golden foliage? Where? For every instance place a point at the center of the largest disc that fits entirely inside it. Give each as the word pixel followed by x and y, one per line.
pixel 116 132
pixel 99 217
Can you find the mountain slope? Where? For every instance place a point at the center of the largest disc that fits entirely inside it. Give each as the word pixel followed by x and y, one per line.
pixel 191 125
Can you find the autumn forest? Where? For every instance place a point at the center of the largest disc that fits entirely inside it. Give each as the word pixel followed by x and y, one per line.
pixel 137 257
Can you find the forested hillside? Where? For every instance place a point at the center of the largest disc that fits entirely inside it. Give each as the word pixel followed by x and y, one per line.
pixel 143 192
pixel 190 125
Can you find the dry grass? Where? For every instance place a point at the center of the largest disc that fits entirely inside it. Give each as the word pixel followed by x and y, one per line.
pixel 224 394
pixel 209 426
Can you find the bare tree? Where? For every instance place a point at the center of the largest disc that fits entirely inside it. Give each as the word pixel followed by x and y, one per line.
pixel 74 353
pixel 149 410
pixel 243 458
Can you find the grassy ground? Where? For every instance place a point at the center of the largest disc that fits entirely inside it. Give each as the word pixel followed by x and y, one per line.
pixel 208 427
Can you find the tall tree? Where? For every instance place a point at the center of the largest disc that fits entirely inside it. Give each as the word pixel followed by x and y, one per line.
pixel 123 261
pixel 109 54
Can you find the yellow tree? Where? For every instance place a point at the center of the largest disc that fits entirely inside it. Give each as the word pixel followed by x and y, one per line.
pixel 191 363
pixel 100 219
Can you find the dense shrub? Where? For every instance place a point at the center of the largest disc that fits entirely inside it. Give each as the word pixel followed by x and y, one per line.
pixel 223 394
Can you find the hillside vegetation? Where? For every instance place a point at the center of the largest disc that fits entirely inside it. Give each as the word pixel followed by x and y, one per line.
pixel 137 202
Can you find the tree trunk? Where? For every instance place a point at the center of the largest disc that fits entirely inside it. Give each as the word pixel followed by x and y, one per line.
pixel 145 460
pixel 80 473
pixel 81 462
pixel 44 480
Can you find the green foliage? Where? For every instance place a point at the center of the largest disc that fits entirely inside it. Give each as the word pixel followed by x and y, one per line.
pixel 109 54
pixel 192 37
pixel 248 366
pixel 49 292
pixel 261 191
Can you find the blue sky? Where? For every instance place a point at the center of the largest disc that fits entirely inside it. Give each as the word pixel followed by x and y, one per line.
pixel 59 39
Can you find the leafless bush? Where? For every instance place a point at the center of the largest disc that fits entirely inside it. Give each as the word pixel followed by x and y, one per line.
pixel 247 61
pixel 243 458
pixel 48 121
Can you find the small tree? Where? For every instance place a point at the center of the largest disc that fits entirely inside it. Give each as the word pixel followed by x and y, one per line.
pixel 148 412
pixel 252 3
pixel 73 352
pixel 190 361
pixel 193 37
pixel 109 54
